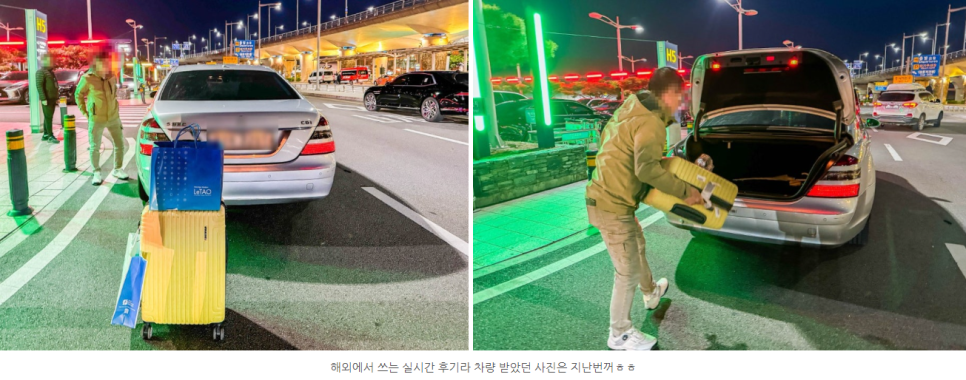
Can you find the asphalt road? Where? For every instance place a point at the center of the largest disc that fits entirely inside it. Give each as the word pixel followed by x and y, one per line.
pixel 903 290
pixel 346 272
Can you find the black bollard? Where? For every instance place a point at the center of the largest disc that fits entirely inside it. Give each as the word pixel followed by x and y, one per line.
pixel 70 144
pixel 17 172
pixel 591 163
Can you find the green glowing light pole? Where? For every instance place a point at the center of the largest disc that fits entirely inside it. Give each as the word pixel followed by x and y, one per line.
pixel 36 48
pixel 541 91
pixel 481 91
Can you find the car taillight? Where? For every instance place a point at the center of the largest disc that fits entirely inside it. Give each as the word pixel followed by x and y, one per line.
pixel 839 191
pixel 715 66
pixel 793 62
pixel 151 131
pixel 910 104
pixel 876 104
pixel 321 141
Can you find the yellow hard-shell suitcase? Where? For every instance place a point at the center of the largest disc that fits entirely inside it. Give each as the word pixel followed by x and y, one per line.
pixel 185 279
pixel 719 194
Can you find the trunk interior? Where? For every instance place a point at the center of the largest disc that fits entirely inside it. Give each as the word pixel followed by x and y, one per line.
pixel 761 167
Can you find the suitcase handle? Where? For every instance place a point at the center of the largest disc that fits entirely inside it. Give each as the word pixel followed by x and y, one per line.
pixel 689 213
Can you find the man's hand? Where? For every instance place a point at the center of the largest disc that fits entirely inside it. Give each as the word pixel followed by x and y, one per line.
pixel 694 197
pixel 44 102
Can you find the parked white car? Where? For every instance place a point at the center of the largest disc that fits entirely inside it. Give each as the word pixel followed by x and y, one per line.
pixel 326 76
pixel 910 104
pixel 278 146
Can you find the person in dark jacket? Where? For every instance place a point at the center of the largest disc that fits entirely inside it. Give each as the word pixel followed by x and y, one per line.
pixel 49 94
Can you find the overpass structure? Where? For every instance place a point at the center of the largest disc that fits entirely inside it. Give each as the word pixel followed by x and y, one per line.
pixel 402 36
pixel 953 74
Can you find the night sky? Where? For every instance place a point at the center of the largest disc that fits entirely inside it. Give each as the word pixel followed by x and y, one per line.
pixel 845 28
pixel 175 19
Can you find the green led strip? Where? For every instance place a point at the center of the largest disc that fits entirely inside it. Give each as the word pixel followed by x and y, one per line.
pixel 542 69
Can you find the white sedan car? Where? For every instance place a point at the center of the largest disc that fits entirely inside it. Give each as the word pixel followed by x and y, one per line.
pixel 278 146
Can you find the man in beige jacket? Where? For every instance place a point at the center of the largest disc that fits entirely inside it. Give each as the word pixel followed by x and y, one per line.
pixel 628 164
pixel 97 99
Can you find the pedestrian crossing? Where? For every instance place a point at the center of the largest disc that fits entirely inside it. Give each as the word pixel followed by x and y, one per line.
pixel 131 116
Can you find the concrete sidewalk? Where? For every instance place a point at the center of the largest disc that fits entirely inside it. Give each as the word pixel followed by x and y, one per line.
pixel 45 177
pixel 512 228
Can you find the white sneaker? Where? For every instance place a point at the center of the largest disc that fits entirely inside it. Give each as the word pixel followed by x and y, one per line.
pixel 652 300
pixel 631 340
pixel 119 174
pixel 96 178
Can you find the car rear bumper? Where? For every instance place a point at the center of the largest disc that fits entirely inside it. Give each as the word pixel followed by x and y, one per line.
pixel 816 222
pixel 895 119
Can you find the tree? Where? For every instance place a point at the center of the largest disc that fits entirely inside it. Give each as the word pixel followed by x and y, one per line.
pixel 506 37
pixel 633 85
pixel 11 56
pixel 71 56
pixel 600 88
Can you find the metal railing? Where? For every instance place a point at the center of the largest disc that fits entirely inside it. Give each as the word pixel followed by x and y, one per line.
pixel 330 87
pixel 395 6
pixel 949 56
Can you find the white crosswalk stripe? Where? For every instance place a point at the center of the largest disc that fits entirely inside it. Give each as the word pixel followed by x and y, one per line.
pixel 131 116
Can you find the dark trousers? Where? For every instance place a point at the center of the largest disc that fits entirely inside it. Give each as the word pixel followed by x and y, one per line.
pixel 49 118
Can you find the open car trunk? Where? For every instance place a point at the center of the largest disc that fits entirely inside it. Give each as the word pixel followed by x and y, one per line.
pixel 766 166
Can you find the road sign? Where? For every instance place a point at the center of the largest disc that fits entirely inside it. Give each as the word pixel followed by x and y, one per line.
pixel 230 60
pixel 245 49
pixel 883 83
pixel 902 79
pixel 667 55
pixel 166 63
pixel 857 65
pixel 925 66
pixel 176 46
pixel 880 88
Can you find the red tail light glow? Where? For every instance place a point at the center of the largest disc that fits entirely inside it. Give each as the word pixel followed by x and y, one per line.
pixel 151 132
pixel 793 62
pixel 528 79
pixel 770 58
pixel 594 75
pixel 910 104
pixel 834 191
pixel 321 141
pixel 715 66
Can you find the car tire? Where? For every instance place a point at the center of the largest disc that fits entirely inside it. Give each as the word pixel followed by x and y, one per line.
pixel 921 123
pixel 142 193
pixel 863 237
pixel 430 110
pixel 370 102
pixel 939 120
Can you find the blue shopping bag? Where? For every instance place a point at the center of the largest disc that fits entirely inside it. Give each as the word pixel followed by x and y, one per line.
pixel 186 175
pixel 129 296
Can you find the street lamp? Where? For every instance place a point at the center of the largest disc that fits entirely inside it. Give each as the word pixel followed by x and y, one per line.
pixel 936 35
pixel 156 38
pixel 277 6
pixel 945 87
pixel 147 46
pixel 8 28
pixel 228 39
pixel 130 22
pixel 632 61
pixel 332 17
pixel 276 29
pixel 904 38
pixel 866 54
pixel 210 41
pixel 248 21
pixel 616 24
pixel 885 50
pixel 193 37
pixel 741 12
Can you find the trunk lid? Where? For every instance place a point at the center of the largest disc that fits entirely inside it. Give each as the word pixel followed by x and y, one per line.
pixel 253 131
pixel 807 81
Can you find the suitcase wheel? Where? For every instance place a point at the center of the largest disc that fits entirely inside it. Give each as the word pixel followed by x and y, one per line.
pixel 146 331
pixel 218 332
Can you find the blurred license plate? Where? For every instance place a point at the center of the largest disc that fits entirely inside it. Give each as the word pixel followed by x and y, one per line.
pixel 257 139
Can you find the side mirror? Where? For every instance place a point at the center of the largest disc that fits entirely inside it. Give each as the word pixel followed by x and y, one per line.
pixel 872 123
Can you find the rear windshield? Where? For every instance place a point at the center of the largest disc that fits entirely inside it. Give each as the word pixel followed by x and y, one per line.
pixel 226 85
pixel 769 119
pixel 69 75
pixel 896 96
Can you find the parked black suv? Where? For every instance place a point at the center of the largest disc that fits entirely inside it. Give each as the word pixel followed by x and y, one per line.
pixel 433 93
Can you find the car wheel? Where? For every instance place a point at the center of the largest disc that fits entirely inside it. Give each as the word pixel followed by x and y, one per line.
pixel 142 193
pixel 863 237
pixel 370 102
pixel 430 110
pixel 939 120
pixel 921 123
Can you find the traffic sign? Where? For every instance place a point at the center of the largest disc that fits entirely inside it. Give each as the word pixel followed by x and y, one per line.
pixel 176 46
pixel 880 88
pixel 667 55
pixel 883 83
pixel 166 63
pixel 925 65
pixel 245 49
pixel 902 79
pixel 230 60
pixel 857 65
